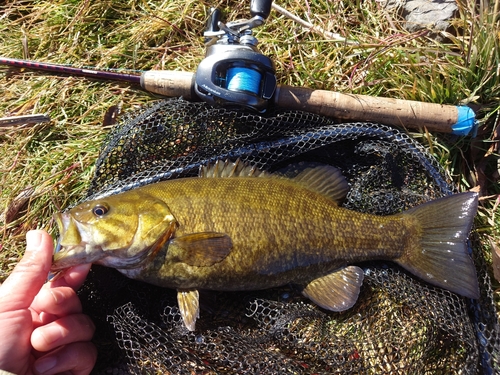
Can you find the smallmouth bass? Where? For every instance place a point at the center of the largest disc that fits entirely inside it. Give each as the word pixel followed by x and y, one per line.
pixel 237 228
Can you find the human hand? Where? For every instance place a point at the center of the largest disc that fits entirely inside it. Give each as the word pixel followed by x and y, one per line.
pixel 43 330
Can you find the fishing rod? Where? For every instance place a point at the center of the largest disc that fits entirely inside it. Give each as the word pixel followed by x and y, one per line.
pixel 235 74
pixel 70 70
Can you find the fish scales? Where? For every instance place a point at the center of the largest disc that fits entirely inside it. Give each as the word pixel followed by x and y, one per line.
pixel 238 228
pixel 267 222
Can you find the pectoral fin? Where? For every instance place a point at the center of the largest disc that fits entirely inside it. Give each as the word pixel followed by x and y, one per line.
pixel 202 249
pixel 337 291
pixel 189 306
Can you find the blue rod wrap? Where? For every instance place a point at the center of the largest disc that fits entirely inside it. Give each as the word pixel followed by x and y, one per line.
pixel 466 121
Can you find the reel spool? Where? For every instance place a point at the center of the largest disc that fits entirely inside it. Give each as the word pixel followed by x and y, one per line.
pixel 234 73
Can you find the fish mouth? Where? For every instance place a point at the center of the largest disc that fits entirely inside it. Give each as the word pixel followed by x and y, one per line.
pixel 70 256
pixel 73 247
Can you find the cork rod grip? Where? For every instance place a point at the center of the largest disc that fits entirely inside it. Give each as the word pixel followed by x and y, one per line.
pixel 350 107
pixel 405 113
pixel 169 83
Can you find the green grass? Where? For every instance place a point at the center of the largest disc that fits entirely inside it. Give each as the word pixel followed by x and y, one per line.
pixel 57 158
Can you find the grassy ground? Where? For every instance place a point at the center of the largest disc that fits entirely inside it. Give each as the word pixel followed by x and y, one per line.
pixel 45 167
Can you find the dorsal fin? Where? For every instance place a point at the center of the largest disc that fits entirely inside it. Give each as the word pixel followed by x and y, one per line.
pixel 325 180
pixel 320 178
pixel 228 168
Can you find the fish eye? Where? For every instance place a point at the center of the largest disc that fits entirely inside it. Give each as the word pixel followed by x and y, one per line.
pixel 100 210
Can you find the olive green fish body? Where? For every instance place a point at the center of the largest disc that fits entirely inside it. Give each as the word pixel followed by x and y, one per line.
pixel 280 232
pixel 237 228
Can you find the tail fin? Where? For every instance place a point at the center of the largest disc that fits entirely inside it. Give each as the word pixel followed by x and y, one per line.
pixel 441 256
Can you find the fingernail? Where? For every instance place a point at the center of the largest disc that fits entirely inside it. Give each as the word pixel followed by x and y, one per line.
pixel 57 295
pixel 33 239
pixel 50 333
pixel 45 364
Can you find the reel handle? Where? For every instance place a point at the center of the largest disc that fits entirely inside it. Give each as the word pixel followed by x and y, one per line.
pixel 261 8
pixel 212 25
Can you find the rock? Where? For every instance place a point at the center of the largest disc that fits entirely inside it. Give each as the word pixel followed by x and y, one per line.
pixel 424 14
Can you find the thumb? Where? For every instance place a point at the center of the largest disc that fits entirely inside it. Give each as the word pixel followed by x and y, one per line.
pixel 25 281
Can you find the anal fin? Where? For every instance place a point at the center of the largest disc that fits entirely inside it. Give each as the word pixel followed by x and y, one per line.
pixel 337 291
pixel 189 306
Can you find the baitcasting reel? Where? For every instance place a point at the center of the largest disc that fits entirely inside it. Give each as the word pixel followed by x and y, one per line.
pixel 234 74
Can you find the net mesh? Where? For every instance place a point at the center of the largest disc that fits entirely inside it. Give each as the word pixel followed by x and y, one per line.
pixel 400 325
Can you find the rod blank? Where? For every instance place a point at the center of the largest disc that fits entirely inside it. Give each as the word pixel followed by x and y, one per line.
pixel 70 70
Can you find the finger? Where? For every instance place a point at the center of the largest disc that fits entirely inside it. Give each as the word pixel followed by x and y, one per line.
pixel 65 330
pixel 21 287
pixel 78 358
pixel 73 277
pixel 57 301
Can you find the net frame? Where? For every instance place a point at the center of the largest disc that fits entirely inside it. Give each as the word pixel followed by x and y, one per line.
pixel 277 331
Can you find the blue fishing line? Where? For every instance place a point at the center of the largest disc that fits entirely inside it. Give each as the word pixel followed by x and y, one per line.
pixel 243 79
